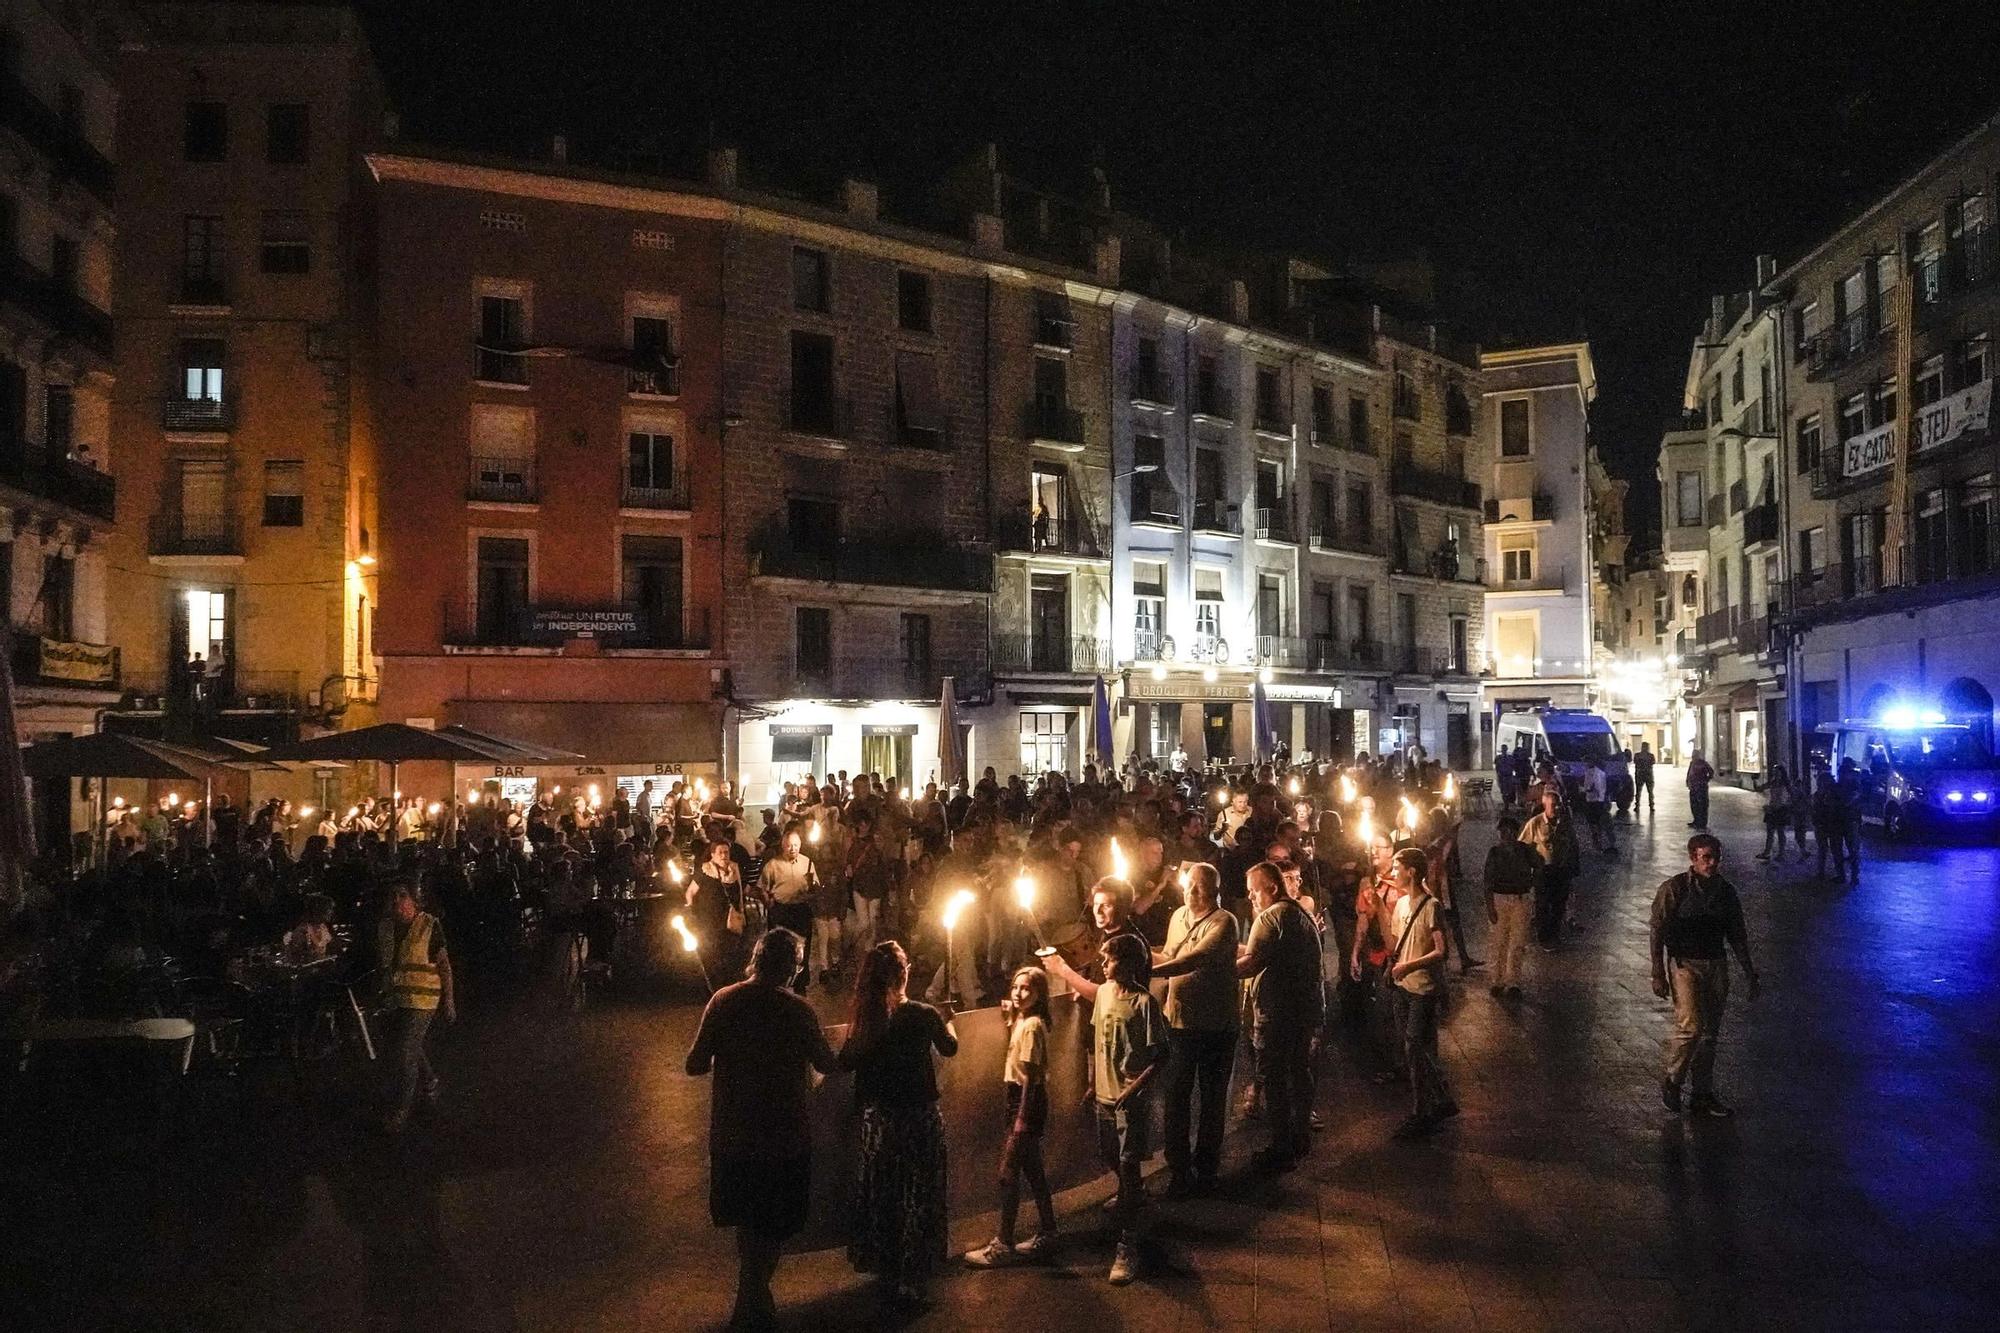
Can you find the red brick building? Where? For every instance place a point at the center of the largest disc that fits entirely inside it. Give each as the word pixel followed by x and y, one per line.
pixel 545 369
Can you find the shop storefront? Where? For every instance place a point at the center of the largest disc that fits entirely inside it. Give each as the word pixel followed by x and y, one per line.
pixel 790 741
pixel 619 746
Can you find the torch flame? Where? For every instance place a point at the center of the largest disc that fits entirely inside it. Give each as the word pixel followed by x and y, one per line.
pixel 353 810
pixel 1184 875
pixel 173 798
pixel 118 803
pixel 813 834
pixel 1024 891
pixel 1293 786
pixel 1450 787
pixel 433 808
pixel 955 907
pixel 680 925
pixel 674 872
pixel 1408 817
pixel 1120 867
pixel 1364 828
pixel 305 812
pixel 1346 790
pixel 472 796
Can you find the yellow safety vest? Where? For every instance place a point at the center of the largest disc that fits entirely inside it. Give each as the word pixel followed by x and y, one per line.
pixel 414 982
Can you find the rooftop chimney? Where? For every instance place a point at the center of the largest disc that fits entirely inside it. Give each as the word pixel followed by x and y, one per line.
pixel 989 236
pixel 1105 260
pixel 1767 271
pixel 861 200
pixel 722 168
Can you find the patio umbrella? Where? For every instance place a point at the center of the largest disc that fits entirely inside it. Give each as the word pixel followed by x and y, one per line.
pixel 1100 725
pixel 1260 722
pixel 17 829
pixel 110 754
pixel 951 742
pixel 395 744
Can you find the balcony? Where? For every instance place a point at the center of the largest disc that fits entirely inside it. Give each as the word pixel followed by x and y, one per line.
pixel 633 494
pixel 56 305
pixel 1332 653
pixel 501 480
pixel 1284 652
pixel 1275 524
pixel 40 660
pixel 1269 420
pixel 211 534
pixel 1065 535
pixel 1846 343
pixel 1444 562
pixel 1055 423
pixel 1739 497
pixel 203 291
pixel 1046 654
pixel 1054 329
pixel 1154 390
pixel 889 678
pixel 1538 508
pixel 1218 516
pixel 502 625
pixel 908 561
pixel 1413 659
pixel 1714 629
pixel 1967 263
pixel 659 381
pixel 1760 524
pixel 1752 636
pixel 39 472
pixel 197 416
pixel 1351 539
pixel 70 154
pixel 1155 502
pixel 1440 488
pixel 498 365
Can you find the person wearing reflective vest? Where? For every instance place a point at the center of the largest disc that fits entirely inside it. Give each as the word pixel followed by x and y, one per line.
pixel 417 978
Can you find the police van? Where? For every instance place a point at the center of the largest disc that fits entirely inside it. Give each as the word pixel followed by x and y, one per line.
pixel 1569 738
pixel 1917 773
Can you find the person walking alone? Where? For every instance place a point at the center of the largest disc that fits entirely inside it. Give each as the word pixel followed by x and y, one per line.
pixel 763 1044
pixel 1700 773
pixel 417 971
pixel 1510 904
pixel 1778 798
pixel 1642 777
pixel 1697 921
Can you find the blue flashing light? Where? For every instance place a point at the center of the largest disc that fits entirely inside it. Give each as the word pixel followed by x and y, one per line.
pixel 1900 717
pixel 1932 717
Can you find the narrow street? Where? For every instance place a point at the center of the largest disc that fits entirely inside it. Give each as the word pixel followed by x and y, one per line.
pixel 563 1185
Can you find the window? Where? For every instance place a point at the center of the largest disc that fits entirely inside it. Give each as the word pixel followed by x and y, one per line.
pixel 284 493
pixel 201 369
pixel 656 369
pixel 1360 620
pixel 1407 405
pixel 502 588
pixel 1930 381
pixel 1933 536
pixel 813 645
pixel 1975 360
pixel 1862 543
pixel 916 642
pixel 1457 411
pixel 650 576
pixel 1767 398
pixel 813 402
pixel 503 331
pixel 58 597
pixel 919 409
pixel 1853 416
pixel 1687 500
pixel 813 523
pixel 913 301
pixel 1517 560
pixel 1360 511
pixel 1324 623
pixel 286 133
pixel 1270 606
pixel 1149 602
pixel 1406 619
pixel 59 419
pixel 1715 401
pixel 1736 381
pixel 201 487
pixel 284 246
pixel 1270 412
pixel 1855 312
pixel 1154 499
pixel 202 260
pixel 1208 397
pixel 1325 508
pixel 651 473
pixel 809 280
pixel 1209 486
pixel 1461 645
pixel 1809 443
pixel 503 454
pixel 1974 545
pixel 1517 644
pixel 1882 406
pixel 1044 742
pixel 1516 440
pixel 1927 263
pixel 1048 509
pixel 1164 731
pixel 1808 324
pixel 205 132
pixel 1357 425
pixel 1322 411
pixel 1053 325
pixel 1207 611
pixel 1148 384
pixel 1270 490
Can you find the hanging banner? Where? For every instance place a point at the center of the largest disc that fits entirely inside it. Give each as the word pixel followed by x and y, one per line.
pixel 1937 424
pixel 84 663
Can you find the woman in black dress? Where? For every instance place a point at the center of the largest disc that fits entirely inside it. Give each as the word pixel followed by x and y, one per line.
pixel 899 1222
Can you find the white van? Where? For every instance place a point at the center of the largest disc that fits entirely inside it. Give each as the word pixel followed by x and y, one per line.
pixel 1567 737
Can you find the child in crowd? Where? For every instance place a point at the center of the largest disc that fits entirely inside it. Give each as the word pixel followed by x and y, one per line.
pixel 1026 1076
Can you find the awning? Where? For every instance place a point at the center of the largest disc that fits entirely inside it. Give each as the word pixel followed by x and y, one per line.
pixel 1741 695
pixel 623 733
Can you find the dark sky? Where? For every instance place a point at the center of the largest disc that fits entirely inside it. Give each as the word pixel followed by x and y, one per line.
pixel 1573 169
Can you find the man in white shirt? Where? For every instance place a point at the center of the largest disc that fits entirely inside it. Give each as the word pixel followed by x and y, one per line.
pixel 642 809
pixel 789 884
pixel 1596 805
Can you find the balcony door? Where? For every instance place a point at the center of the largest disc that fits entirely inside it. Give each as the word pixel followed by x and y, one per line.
pixel 1048 513
pixel 1048 614
pixel 203 499
pixel 652 578
pixel 502 588
pixel 201 644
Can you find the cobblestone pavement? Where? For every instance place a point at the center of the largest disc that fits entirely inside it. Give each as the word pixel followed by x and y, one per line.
pixel 563 1187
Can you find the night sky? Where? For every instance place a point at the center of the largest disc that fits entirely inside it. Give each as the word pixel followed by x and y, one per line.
pixel 1572 174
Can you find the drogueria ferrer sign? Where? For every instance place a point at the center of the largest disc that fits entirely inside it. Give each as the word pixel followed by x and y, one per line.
pixel 1938 423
